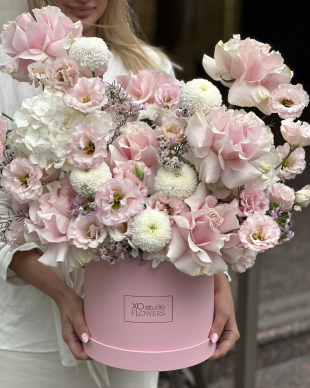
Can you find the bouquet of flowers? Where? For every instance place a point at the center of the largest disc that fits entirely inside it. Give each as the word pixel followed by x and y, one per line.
pixel 148 168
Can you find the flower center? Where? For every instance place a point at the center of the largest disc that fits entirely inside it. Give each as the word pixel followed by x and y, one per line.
pixel 285 164
pixel 152 228
pixel 90 148
pixel 258 236
pixel 204 88
pixel 86 99
pixel 93 232
pixel 117 201
pixel 23 180
pixel 168 209
pixel 287 103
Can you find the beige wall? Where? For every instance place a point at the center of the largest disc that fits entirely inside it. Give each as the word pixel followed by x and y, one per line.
pixel 10 9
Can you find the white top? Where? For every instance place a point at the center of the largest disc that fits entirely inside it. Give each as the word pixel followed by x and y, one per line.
pixel 29 319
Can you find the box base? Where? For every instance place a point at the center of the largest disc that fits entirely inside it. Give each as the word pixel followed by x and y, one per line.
pixel 141 360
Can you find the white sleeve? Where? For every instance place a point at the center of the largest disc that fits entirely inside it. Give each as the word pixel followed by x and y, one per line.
pixel 162 62
pixel 6 254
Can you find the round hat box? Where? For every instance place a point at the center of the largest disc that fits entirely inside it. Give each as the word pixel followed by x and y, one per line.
pixel 147 319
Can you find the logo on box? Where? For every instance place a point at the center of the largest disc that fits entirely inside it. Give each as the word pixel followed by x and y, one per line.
pixel 148 309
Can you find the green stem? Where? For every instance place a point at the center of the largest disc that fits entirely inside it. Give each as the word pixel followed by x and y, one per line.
pixel 231 106
pixel 8 117
pixel 93 74
pixel 292 149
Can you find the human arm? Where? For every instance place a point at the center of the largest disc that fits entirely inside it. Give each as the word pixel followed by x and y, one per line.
pixel 70 305
pixel 224 330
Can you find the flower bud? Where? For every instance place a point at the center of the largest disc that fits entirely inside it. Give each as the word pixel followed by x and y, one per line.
pixel 139 172
pixel 302 197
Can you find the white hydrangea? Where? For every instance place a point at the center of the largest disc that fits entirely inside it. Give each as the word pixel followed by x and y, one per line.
pixel 88 181
pixel 180 184
pixel 90 52
pixel 156 257
pixel 150 230
pixel 199 94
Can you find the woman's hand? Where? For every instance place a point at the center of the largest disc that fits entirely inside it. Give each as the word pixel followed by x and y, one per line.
pixel 224 330
pixel 74 329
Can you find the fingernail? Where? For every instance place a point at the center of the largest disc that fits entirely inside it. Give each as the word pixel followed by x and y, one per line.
pixel 214 338
pixel 84 338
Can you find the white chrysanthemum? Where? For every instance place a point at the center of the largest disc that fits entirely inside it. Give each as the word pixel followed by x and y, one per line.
pixel 88 181
pixel 199 94
pixel 156 257
pixel 151 230
pixel 90 52
pixel 180 184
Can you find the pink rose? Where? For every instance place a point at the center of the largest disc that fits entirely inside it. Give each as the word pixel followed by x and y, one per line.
pixel 199 236
pixel 15 234
pixel 283 195
pixel 173 128
pixel 249 69
pixel 259 233
pixel 88 95
pixel 50 217
pixel 167 96
pixel 225 144
pixel 138 142
pixel 63 74
pixel 86 148
pixel 21 180
pixel 86 232
pixel 117 201
pixel 288 101
pixel 296 133
pixel 27 40
pixel 127 170
pixel 252 200
pixel 164 203
pixel 142 86
pixel 294 165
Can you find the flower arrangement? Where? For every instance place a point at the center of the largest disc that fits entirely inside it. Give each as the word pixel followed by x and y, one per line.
pixel 148 168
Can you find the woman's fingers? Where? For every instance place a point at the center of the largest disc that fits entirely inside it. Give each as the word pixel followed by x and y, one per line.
pixel 226 341
pixel 75 345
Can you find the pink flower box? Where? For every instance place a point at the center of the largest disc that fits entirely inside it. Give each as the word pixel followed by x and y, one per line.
pixel 147 319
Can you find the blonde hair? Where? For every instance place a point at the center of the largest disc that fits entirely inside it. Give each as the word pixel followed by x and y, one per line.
pixel 118 28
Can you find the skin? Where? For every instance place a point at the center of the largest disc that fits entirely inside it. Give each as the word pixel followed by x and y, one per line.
pixel 71 305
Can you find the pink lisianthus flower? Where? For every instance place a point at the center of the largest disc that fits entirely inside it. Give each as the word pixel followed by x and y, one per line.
pixel 50 217
pixel 27 40
pixel 21 180
pixel 283 195
pixel 128 170
pixel 138 142
pixel 15 234
pixel 225 144
pixel 88 95
pixel 118 200
pixel 142 86
pixel 249 69
pixel 173 128
pixel 63 74
pixel 86 232
pixel 259 233
pixel 167 96
pixel 288 101
pixel 86 148
pixel 252 200
pixel 171 206
pixel 296 133
pixel 294 165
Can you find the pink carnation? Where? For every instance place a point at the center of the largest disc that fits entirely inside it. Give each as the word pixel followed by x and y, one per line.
pixel 138 142
pixel 283 195
pixel 86 232
pixel 118 200
pixel 167 96
pixel 86 148
pixel 249 69
pixel 288 101
pixel 259 233
pixel 88 95
pixel 127 170
pixel 246 261
pixel 296 133
pixel 21 180
pixel 28 40
pixel 294 165
pixel 224 145
pixel 252 200
pixel 171 206
pixel 63 74
pixel 142 86
pixel 15 235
